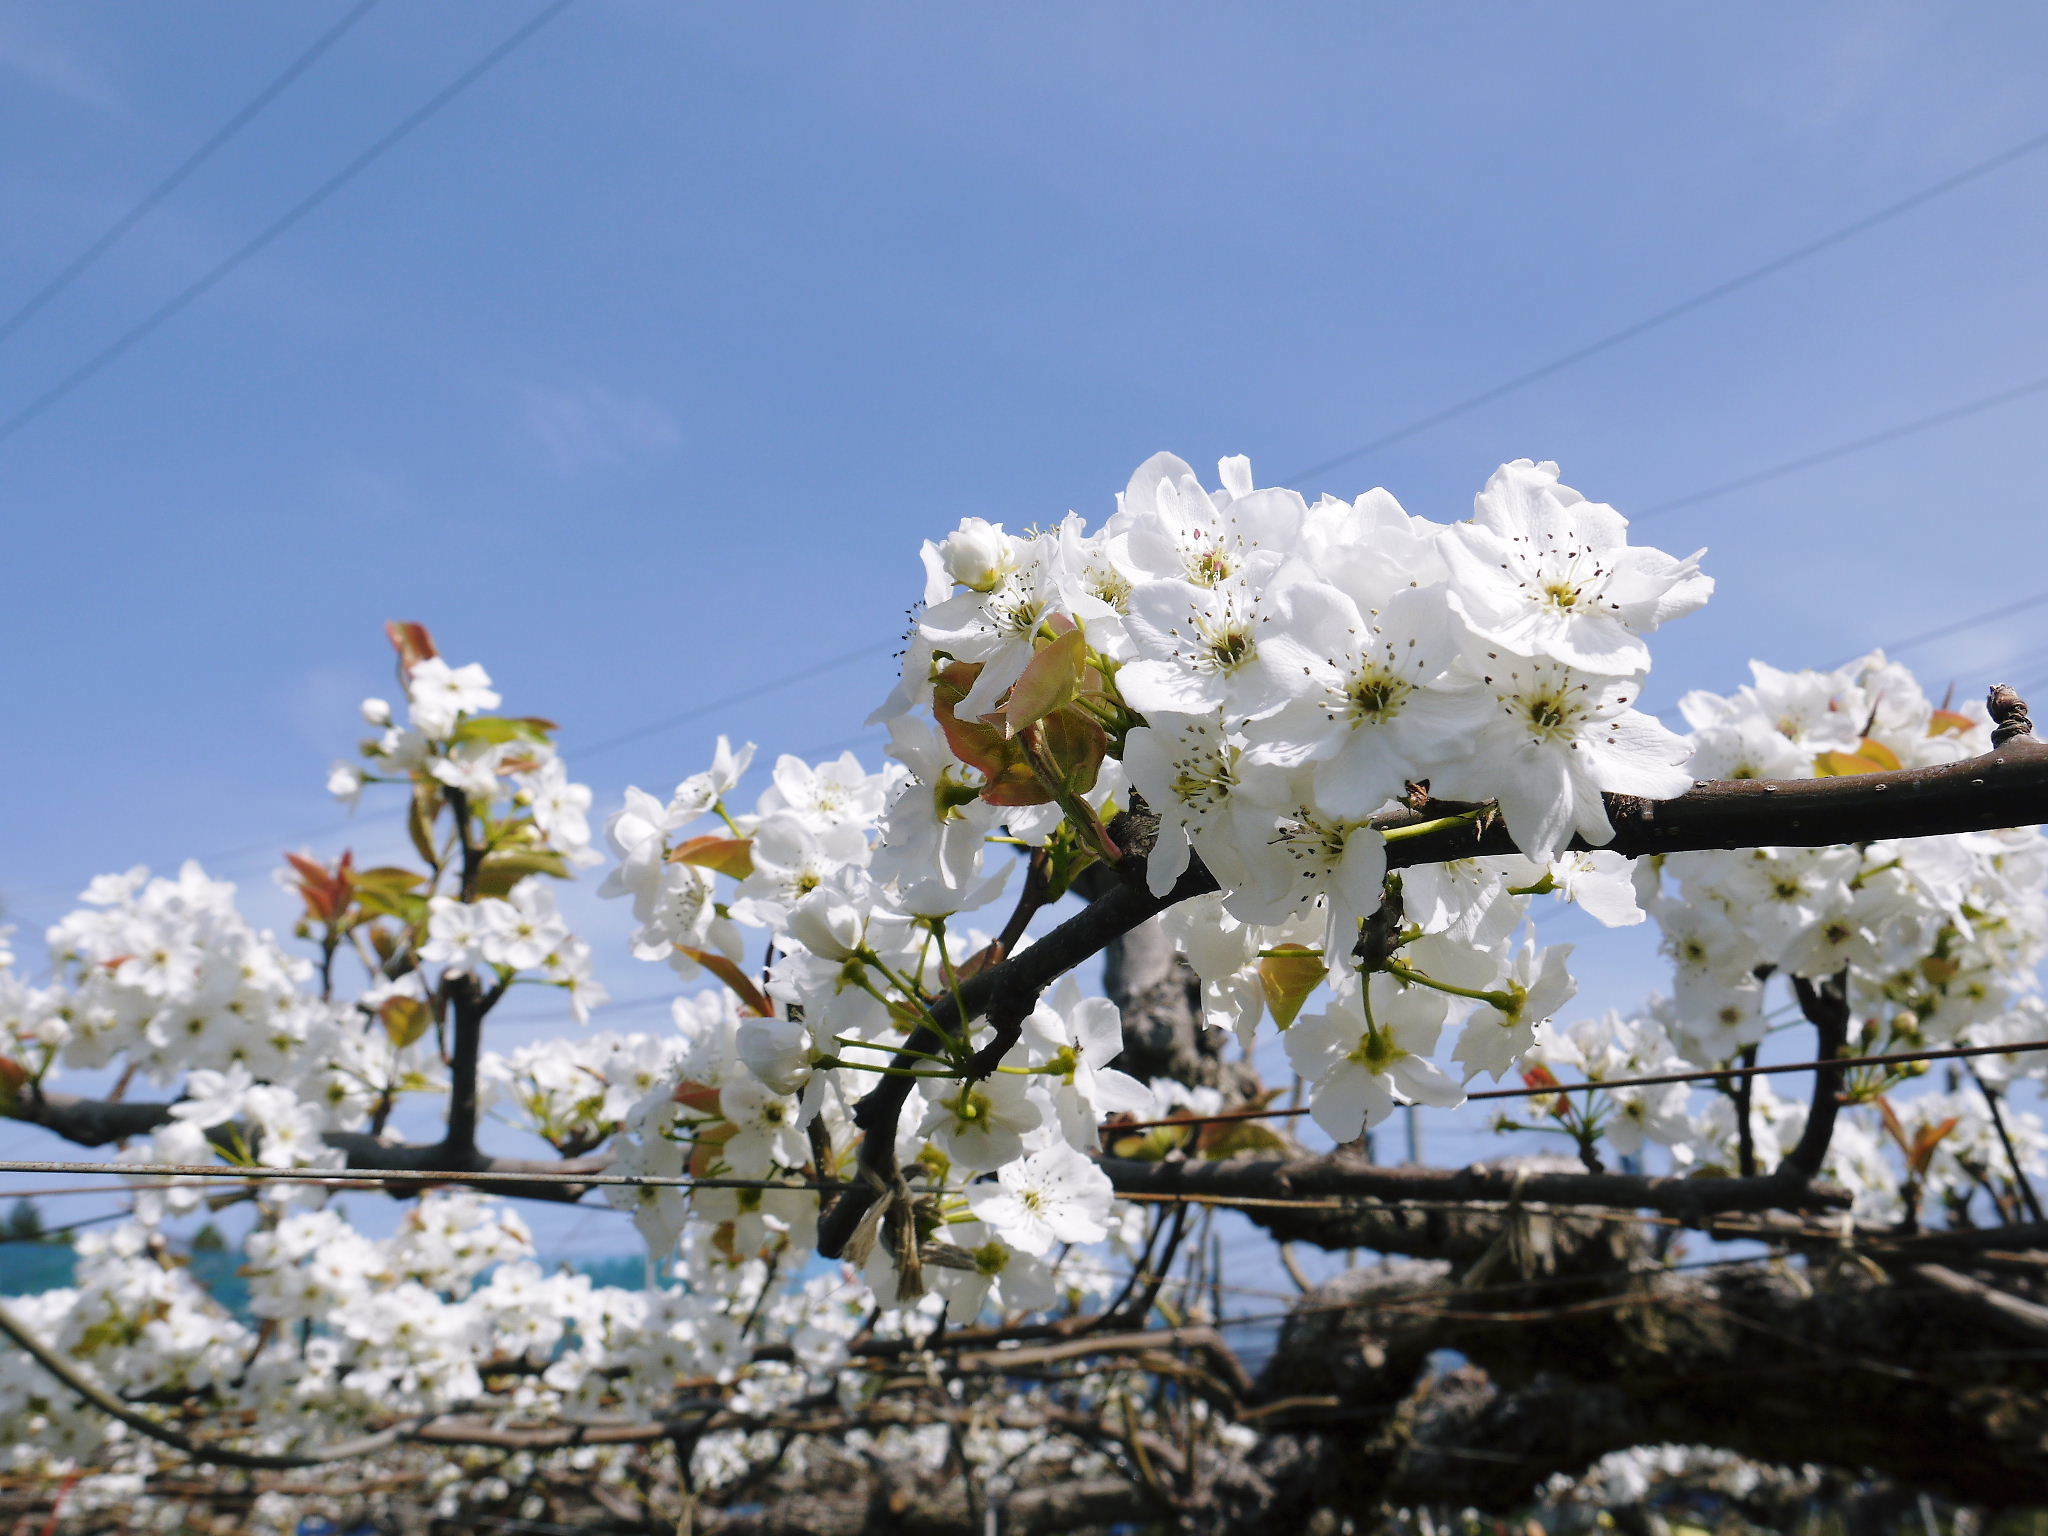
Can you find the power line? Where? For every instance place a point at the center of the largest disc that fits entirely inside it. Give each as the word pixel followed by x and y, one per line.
pixel 373 1176
pixel 1652 1080
pixel 277 227
pixel 1699 300
pixel 1956 628
pixel 712 706
pixel 226 858
pixel 191 163
pixel 1843 450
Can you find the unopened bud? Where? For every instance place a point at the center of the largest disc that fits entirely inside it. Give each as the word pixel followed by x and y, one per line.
pixel 376 712
pixel 976 554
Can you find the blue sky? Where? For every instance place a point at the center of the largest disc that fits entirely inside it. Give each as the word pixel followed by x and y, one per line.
pixel 639 372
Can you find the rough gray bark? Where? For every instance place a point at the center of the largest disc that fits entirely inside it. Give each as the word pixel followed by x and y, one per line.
pixel 1160 998
pixel 880 1506
pixel 1345 1174
pixel 1830 1364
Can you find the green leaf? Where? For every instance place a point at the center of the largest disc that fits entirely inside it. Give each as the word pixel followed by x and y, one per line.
pixel 419 820
pixel 1052 681
pixel 1075 746
pixel 1288 975
pixel 1944 722
pixel 1151 1146
pixel 494 730
pixel 389 878
pixel 501 871
pixel 1869 757
pixel 407 906
pixel 1241 1136
pixel 405 1019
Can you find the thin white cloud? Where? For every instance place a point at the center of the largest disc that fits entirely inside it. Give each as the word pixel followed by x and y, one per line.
pixel 587 426
pixel 32 55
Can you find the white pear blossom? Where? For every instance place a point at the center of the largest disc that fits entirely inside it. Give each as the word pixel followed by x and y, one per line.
pixel 1370 1049
pixel 1052 1196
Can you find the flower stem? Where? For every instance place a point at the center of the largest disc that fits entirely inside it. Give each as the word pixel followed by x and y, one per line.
pixel 1503 1001
pixel 1441 823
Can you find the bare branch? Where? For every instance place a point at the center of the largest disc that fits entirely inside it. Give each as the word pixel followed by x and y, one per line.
pixel 1826 1006
pixel 1349 1176
pixel 99 1397
pixel 96 1122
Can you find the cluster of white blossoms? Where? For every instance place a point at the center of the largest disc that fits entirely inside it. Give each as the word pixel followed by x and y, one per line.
pixel 575 1094
pixel 164 979
pixel 1938 935
pixel 1256 695
pixel 1263 675
pixel 1934 941
pixel 166 975
pixel 1269 676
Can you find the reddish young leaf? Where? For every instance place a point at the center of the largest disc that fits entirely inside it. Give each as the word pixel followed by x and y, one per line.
pixel 326 892
pixel 749 994
pixel 1892 1126
pixel 412 642
pixel 1929 1138
pixel 1001 759
pixel 727 855
pixel 979 961
pixel 1052 681
pixel 13 1078
pixel 698 1096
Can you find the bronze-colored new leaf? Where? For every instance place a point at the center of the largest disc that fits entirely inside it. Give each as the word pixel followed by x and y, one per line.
pixel 1288 975
pixel 732 856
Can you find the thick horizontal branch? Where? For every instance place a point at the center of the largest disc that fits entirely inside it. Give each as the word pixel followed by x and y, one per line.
pixel 97 1122
pixel 1347 1175
pixel 2015 1314
pixel 2003 788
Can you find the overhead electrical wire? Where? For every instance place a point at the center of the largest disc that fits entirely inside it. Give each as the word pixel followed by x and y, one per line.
pixel 154 199
pixel 277 227
pixel 1686 306
pixel 371 1176
pixel 1828 455
pixel 1596 1085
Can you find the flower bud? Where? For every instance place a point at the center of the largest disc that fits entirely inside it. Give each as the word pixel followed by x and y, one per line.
pixel 777 1052
pixel 345 782
pixel 825 925
pixel 976 554
pixel 376 712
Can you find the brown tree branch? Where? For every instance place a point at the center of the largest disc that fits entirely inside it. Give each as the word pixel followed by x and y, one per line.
pixel 2017 1315
pixel 89 1391
pixel 97 1122
pixel 1350 1176
pixel 1826 1006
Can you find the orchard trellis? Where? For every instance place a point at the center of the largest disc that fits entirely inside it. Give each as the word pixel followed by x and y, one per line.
pixel 1311 771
